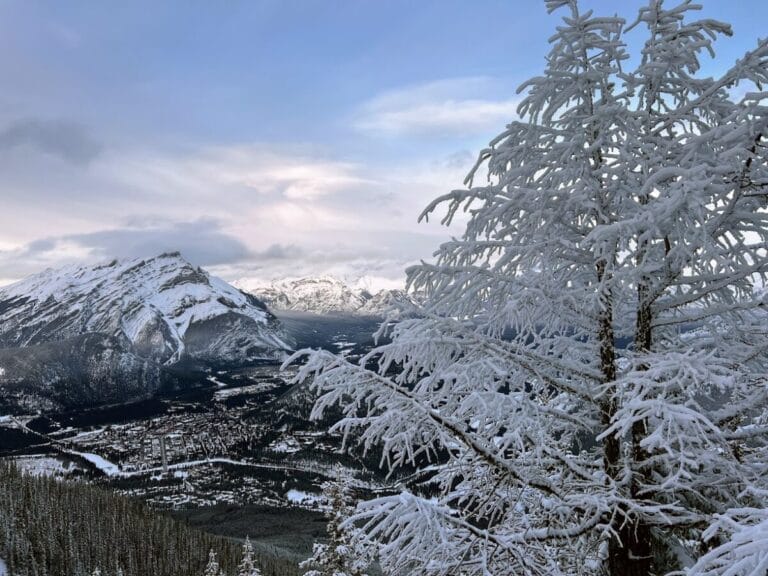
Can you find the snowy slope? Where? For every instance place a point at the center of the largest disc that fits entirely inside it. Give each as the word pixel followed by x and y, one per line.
pixel 321 295
pixel 385 300
pixel 163 308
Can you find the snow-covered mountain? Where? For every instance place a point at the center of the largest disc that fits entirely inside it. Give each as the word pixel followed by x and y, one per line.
pixel 81 371
pixel 164 307
pixel 321 295
pixel 384 300
pixel 142 316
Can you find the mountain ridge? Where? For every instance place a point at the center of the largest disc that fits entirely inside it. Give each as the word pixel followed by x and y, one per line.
pixel 67 333
pixel 322 295
pixel 138 300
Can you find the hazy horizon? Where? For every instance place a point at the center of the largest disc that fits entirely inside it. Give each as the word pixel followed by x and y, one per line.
pixel 265 139
pixel 369 282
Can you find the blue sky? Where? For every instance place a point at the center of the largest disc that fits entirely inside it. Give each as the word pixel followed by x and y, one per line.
pixel 262 138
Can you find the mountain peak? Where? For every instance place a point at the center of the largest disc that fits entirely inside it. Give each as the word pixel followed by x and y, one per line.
pixel 149 302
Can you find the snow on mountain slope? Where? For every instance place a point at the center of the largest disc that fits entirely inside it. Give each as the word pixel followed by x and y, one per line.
pixel 157 306
pixel 385 300
pixel 321 295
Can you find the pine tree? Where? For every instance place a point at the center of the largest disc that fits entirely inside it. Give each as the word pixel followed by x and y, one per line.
pixel 247 565
pixel 342 555
pixel 213 568
pixel 588 370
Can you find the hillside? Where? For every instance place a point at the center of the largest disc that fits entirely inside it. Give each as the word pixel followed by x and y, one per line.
pixel 48 526
pixel 118 330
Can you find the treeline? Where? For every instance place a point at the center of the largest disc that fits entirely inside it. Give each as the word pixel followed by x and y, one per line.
pixel 49 527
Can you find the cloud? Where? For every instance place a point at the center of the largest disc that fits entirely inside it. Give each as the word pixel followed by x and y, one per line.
pixel 459 106
pixel 67 140
pixel 202 242
pixel 279 252
pixel 275 192
pixel 259 209
pixel 295 173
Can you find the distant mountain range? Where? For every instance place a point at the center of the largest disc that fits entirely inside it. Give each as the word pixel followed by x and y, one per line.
pixel 322 295
pixel 122 329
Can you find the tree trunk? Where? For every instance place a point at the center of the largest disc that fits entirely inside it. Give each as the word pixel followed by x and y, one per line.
pixel 629 554
pixel 632 553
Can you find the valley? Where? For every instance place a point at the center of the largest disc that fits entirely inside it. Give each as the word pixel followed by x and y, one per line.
pixel 237 442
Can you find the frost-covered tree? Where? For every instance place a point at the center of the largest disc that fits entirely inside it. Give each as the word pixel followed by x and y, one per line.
pixel 247 566
pixel 745 548
pixel 343 555
pixel 587 374
pixel 213 568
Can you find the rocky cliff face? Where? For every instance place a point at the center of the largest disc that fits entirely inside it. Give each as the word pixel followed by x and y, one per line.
pixel 113 330
pixel 150 305
pixel 80 371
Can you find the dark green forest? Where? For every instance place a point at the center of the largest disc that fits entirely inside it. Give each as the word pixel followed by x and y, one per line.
pixel 50 527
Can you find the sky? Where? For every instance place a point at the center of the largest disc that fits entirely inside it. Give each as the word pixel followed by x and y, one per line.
pixel 264 138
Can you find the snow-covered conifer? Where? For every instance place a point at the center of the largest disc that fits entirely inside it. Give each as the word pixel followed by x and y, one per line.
pixel 247 566
pixel 587 374
pixel 743 550
pixel 343 555
pixel 213 568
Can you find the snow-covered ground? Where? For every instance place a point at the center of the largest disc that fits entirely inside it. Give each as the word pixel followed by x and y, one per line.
pixel 109 468
pixel 285 445
pixel 112 469
pixel 3 568
pixel 240 390
pixel 344 345
pixel 216 381
pixel 303 498
pixel 43 466
pixel 86 434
